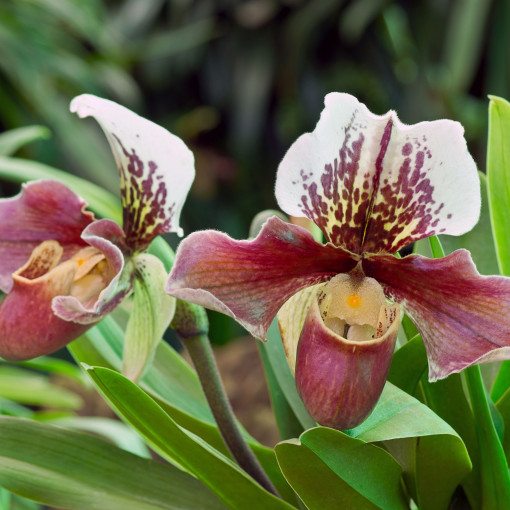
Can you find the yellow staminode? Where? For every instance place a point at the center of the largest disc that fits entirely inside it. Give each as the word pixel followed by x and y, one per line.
pixel 354 301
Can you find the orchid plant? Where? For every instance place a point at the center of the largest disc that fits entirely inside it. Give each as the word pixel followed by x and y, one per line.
pixel 373 186
pixel 65 270
pixel 361 423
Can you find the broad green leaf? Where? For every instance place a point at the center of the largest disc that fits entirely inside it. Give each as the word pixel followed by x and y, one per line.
pixel 175 386
pixel 276 355
pixel 366 468
pixel 174 443
pixel 30 388
pixel 12 140
pixel 113 430
pixel 152 312
pixel 432 454
pixel 315 483
pixel 498 178
pixel 479 241
pixel 70 469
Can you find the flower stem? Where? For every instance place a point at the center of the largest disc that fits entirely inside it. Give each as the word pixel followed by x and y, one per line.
pixel 493 464
pixel 201 353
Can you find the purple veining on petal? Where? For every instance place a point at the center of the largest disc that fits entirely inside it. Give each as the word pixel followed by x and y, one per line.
pixel 147 209
pixel 464 318
pixel 250 280
pixel 339 380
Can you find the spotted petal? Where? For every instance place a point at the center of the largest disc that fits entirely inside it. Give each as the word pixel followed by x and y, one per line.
pixel 464 318
pixel 43 210
pixel 106 236
pixel 250 280
pixel 373 184
pixel 156 169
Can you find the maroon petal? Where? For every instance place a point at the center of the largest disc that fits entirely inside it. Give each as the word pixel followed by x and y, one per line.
pixel 28 326
pixel 250 280
pixel 43 210
pixel 107 236
pixel 464 318
pixel 339 380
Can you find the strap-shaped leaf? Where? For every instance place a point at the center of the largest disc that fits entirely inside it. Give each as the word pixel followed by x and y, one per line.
pixel 498 178
pixel 227 480
pixel 175 386
pixel 69 469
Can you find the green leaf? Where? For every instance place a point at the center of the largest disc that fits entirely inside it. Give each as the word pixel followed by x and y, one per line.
pixel 69 469
pixel 408 365
pixel 288 424
pixel 276 355
pixel 498 178
pixel 175 386
pixel 433 456
pixel 152 312
pixel 113 430
pixel 30 388
pixel 14 139
pixel 366 468
pixel 175 444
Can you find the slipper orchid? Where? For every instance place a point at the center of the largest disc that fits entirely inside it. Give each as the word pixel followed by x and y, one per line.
pixel 63 270
pixel 372 185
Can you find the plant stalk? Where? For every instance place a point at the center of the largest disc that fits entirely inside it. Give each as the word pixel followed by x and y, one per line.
pixel 202 356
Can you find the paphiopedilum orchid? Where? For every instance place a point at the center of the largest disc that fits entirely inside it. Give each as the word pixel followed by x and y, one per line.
pixel 62 269
pixel 372 185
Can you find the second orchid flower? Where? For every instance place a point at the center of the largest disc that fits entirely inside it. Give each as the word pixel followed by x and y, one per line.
pixel 372 185
pixel 63 270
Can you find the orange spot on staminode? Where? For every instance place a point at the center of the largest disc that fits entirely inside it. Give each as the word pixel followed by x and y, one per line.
pixel 354 301
pixel 80 261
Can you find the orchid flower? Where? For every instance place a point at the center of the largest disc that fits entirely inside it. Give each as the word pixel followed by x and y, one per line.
pixel 62 269
pixel 373 186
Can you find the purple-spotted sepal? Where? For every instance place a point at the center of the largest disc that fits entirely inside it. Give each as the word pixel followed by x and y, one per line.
pixel 373 184
pixel 156 169
pixel 342 365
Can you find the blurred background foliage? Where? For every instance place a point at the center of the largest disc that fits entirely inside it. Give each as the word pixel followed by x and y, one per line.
pixel 240 80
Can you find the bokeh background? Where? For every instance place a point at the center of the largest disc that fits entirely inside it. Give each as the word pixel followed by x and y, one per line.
pixel 240 80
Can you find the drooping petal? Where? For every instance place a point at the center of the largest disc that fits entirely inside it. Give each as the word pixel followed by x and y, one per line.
pixel 341 380
pixel 250 280
pixel 28 326
pixel 106 236
pixel 373 184
pixel 156 169
pixel 44 210
pixel 463 317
